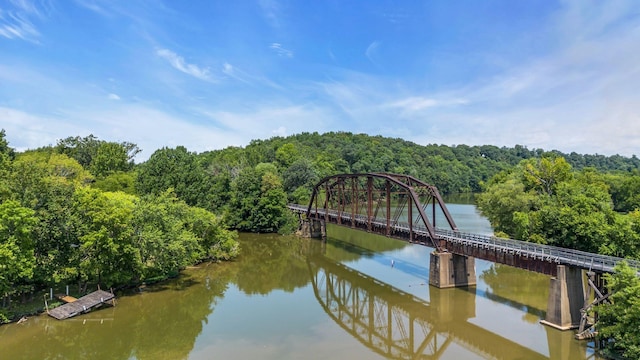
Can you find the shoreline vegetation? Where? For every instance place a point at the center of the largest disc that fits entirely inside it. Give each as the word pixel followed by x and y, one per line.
pixel 83 212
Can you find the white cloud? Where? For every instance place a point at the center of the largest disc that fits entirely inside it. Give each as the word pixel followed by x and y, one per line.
pixel 414 103
pixel 180 64
pixel 146 126
pixel 227 69
pixel 16 22
pixel 25 5
pixel 281 131
pixel 93 6
pixel 261 121
pixel 233 72
pixel 277 47
pixel 28 131
pixel 581 95
pixel 371 51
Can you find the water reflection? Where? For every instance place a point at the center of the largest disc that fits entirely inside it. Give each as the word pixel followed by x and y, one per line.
pixel 161 323
pixel 524 290
pixel 399 325
pixel 499 318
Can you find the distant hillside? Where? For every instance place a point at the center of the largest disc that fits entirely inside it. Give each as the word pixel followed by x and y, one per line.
pixel 453 169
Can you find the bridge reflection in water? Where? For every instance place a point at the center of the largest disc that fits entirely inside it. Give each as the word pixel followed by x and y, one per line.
pixel 399 325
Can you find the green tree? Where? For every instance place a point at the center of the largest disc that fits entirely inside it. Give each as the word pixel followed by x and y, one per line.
pixel 110 158
pixel 46 182
pixel 625 190
pixel 17 260
pixel 108 253
pixel 544 174
pixel 287 154
pixel 176 169
pixel 164 243
pixel 501 203
pixel 579 216
pixel 258 202
pixel 299 175
pixel 6 154
pixel 540 201
pixel 85 149
pixel 171 235
pixel 620 320
pixel 118 181
pixel 215 241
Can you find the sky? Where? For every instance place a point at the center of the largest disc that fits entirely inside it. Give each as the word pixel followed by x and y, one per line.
pixel 209 74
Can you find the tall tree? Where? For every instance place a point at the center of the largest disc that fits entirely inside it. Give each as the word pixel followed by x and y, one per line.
pixel 109 158
pixel 6 154
pixel 17 260
pixel 620 320
pixel 258 203
pixel 176 169
pixel 106 244
pixel 99 155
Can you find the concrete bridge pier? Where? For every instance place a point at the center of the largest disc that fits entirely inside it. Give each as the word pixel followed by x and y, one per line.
pixel 566 298
pixel 312 228
pixel 448 270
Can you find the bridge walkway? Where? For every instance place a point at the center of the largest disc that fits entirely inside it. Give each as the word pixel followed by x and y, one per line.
pixel 479 246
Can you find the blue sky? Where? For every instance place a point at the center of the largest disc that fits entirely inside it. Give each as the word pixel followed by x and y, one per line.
pixel 210 74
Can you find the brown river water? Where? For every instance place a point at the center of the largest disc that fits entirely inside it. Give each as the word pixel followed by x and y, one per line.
pixel 355 296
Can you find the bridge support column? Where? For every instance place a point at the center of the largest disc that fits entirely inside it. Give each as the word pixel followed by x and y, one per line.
pixel 312 228
pixel 566 298
pixel 448 270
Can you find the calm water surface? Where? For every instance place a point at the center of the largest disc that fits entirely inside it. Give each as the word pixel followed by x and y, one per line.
pixel 290 298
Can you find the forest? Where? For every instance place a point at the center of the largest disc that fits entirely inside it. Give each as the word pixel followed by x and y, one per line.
pixel 83 212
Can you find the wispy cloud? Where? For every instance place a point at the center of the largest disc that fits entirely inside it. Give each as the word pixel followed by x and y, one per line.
pixel 16 20
pixel 414 103
pixel 92 5
pixel 271 10
pixel 371 51
pixel 419 106
pixel 255 81
pixel 180 64
pixel 263 120
pixel 113 97
pixel 581 95
pixel 281 51
pixel 233 72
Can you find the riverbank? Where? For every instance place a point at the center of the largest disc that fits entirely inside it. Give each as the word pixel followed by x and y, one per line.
pixel 21 309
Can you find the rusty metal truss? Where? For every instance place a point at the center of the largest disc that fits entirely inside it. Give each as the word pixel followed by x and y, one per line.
pixel 383 203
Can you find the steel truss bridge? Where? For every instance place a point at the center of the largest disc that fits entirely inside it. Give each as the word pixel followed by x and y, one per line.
pixel 405 208
pixel 398 325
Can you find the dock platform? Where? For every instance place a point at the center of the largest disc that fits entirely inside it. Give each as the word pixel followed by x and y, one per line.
pixel 82 305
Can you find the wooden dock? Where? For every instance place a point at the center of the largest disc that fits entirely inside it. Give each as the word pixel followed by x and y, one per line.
pixel 82 305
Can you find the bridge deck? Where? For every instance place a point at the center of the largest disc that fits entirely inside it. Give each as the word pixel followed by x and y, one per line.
pixel 485 247
pixel 81 305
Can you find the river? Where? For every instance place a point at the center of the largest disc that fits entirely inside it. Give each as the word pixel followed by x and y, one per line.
pixel 355 296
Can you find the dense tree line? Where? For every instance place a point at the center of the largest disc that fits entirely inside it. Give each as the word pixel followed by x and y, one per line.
pixel 545 200
pixel 58 226
pixel 249 185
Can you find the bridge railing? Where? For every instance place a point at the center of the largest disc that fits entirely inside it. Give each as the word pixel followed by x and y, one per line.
pixel 549 253
pixel 561 256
